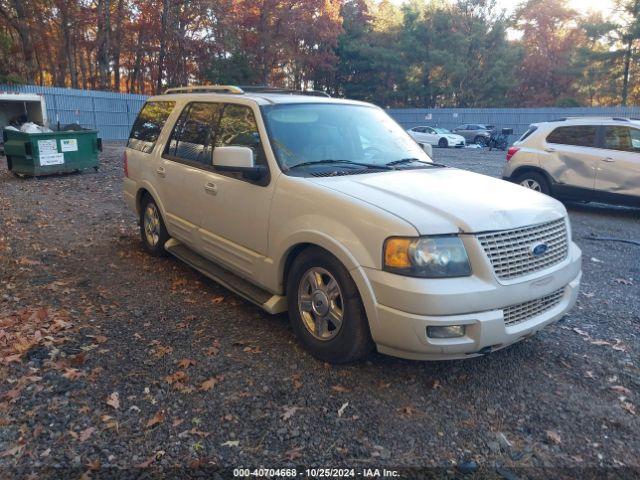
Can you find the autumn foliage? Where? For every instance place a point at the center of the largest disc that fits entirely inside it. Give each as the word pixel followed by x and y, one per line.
pixel 466 53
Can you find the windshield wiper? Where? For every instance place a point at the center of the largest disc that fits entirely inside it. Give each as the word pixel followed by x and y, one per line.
pixel 403 161
pixel 371 166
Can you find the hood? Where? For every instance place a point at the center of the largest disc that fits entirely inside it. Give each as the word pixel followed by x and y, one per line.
pixel 448 200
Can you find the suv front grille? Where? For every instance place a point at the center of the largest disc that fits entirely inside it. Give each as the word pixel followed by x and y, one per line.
pixel 511 251
pixel 522 312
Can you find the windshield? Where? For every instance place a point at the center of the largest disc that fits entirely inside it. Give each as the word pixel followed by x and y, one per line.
pixel 441 130
pixel 310 133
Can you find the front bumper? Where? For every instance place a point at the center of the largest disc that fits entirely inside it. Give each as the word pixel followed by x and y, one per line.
pixel 402 313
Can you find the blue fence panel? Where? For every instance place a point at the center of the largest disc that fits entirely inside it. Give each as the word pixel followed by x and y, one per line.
pixel 518 119
pixel 112 113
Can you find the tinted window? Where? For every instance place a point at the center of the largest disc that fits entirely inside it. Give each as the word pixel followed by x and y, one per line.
pixel 147 127
pixel 579 135
pixel 429 130
pixel 192 137
pixel 419 129
pixel 622 138
pixel 238 128
pixel 528 133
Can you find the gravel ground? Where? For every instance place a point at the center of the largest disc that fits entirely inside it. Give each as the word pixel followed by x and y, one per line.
pixel 116 363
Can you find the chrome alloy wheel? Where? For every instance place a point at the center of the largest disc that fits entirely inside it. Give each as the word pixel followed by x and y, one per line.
pixel 532 184
pixel 151 224
pixel 320 303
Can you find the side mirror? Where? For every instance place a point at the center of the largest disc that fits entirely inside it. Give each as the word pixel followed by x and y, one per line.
pixel 239 160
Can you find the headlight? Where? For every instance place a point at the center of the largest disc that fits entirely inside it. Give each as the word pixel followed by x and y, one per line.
pixel 428 257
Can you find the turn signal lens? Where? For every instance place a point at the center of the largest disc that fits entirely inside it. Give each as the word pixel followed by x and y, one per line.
pixel 396 253
pixel 427 257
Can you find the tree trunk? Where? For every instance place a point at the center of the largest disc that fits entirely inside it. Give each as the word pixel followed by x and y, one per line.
pixel 117 47
pixel 164 22
pixel 104 34
pixel 20 24
pixel 628 51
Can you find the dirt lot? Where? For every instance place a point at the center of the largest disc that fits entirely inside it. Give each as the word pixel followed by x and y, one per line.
pixel 111 359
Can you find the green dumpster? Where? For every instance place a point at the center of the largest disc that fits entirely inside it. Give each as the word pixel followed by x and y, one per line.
pixel 32 154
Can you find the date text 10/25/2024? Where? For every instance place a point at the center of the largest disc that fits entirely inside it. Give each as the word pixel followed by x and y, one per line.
pixel 315 472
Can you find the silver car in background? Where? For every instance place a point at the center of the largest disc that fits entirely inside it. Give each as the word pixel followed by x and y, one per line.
pixel 588 158
pixel 474 133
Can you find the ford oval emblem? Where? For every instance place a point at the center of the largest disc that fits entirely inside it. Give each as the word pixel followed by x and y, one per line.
pixel 539 249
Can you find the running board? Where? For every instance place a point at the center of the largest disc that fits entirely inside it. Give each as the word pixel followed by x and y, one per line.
pixel 271 303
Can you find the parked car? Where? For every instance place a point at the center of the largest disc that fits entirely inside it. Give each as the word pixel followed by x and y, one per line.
pixel 594 159
pixel 474 133
pixel 328 209
pixel 440 137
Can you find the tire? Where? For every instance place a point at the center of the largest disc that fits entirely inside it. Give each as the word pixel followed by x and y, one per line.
pixel 348 342
pixel 480 140
pixel 443 143
pixel 534 181
pixel 153 240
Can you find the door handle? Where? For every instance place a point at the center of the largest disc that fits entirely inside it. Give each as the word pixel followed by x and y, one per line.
pixel 608 160
pixel 162 172
pixel 211 188
pixel 549 150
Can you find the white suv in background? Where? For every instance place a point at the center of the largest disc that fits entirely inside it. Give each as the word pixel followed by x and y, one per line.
pixel 584 158
pixel 327 209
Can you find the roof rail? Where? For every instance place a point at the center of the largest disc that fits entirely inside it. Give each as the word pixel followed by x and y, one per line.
pixel 267 89
pixel 238 90
pixel 206 89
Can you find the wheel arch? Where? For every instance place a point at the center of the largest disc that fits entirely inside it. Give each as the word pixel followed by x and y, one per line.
pixel 532 168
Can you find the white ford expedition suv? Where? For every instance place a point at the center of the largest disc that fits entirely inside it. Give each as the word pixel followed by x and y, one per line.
pixel 327 209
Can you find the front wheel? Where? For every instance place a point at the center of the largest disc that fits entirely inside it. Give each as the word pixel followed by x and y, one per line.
pixel 325 308
pixel 152 229
pixel 442 143
pixel 534 181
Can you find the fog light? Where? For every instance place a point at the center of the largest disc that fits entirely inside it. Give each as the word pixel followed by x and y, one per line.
pixel 452 331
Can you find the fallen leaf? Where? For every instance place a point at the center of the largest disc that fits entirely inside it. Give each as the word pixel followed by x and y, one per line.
pixel 581 332
pixel 293 454
pixel 289 412
pixel 113 400
pixel 623 281
pixel 553 437
pixel 436 384
pixel 156 419
pixel 209 384
pixel 186 363
pixel 72 373
pixel 86 433
pixel 175 377
pixel 621 389
pixel 11 452
pixel 629 407
pixel 340 389
pixel 156 456
pixel 231 443
pixel 342 409
pixel 619 346
pixel 217 300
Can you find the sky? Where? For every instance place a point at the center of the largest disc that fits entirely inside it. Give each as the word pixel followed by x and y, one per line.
pixel 582 6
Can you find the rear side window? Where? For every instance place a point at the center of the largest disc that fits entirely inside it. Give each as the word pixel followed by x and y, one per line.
pixel 578 135
pixel 624 139
pixel 147 127
pixel 528 133
pixel 192 137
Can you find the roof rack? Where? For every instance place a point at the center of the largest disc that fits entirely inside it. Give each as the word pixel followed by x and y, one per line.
pixel 205 89
pixel 236 90
pixel 287 91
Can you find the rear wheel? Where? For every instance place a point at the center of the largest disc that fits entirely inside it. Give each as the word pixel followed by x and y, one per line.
pixel 152 229
pixel 325 308
pixel 443 143
pixel 480 140
pixel 534 181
